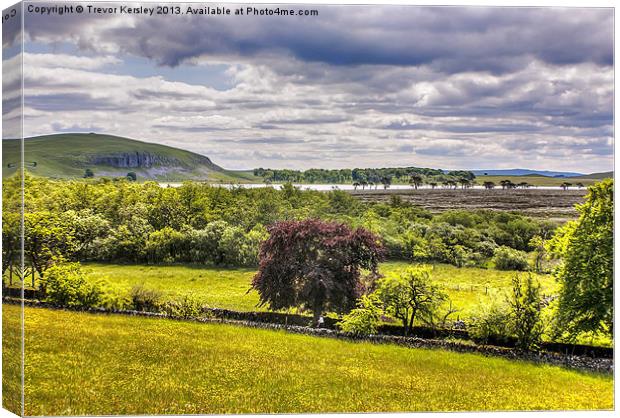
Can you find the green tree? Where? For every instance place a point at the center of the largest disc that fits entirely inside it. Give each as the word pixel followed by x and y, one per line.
pixel 89 174
pixel 506 258
pixel 525 304
pixel 66 285
pixel 409 294
pixel 364 319
pixel 47 239
pixel 585 247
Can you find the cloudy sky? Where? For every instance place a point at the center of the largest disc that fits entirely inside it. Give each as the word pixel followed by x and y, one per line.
pixel 356 86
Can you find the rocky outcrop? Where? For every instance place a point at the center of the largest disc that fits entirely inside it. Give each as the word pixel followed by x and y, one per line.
pixel 132 160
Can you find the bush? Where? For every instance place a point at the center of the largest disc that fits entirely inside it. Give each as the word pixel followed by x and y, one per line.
pixel 506 258
pixel 143 299
pixel 526 310
pixel 66 285
pixel 362 320
pixel 165 245
pixel 185 307
pixel 114 298
pixel 491 323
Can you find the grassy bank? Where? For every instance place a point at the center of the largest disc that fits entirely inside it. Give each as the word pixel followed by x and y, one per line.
pixel 81 364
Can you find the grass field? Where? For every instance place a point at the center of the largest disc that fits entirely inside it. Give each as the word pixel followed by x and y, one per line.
pixel 83 364
pixel 228 288
pixel 538 180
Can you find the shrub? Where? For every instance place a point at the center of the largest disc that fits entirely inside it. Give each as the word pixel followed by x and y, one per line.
pixel 526 309
pixel 506 258
pixel 114 298
pixel 165 245
pixel 491 323
pixel 185 307
pixel 364 319
pixel 144 299
pixel 66 285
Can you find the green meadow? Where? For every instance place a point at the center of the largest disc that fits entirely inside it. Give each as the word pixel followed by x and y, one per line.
pixel 89 364
pixel 230 288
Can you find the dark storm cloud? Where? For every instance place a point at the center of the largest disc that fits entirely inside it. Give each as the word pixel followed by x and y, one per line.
pixel 451 40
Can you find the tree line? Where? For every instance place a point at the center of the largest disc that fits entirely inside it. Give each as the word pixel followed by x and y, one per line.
pixel 363 176
pixel 125 221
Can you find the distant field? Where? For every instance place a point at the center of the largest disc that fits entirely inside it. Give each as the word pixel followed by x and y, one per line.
pixel 556 203
pixel 86 364
pixel 540 180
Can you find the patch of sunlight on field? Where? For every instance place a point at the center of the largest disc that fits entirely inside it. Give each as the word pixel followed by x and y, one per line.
pixel 217 287
pixel 84 364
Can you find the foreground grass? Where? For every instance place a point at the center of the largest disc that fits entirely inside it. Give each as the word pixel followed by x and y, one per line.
pixel 11 359
pixel 83 364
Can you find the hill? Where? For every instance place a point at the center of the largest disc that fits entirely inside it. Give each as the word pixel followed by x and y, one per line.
pixel 69 155
pixel 525 172
pixel 598 176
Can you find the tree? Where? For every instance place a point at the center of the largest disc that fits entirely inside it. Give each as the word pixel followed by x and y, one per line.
pixel 415 180
pixel 364 319
pixel 525 304
pixel 465 183
pixel 314 265
pixel 131 176
pixel 409 294
pixel 506 258
pixel 89 174
pixel 11 244
pixel 47 239
pixel 540 252
pixel 488 185
pixel 586 273
pixel 386 181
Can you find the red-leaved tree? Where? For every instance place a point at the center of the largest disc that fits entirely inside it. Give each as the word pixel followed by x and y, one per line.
pixel 315 265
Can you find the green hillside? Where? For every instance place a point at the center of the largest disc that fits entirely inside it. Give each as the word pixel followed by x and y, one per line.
pixel 598 176
pixel 538 180
pixel 69 155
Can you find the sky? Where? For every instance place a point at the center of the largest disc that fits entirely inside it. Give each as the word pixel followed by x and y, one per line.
pixel 355 86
